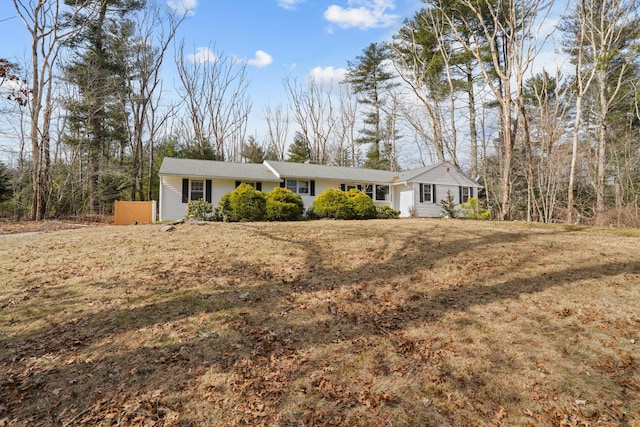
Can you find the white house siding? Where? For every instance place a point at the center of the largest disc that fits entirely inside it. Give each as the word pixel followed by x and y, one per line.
pixel 172 208
pixel 445 179
pixel 431 209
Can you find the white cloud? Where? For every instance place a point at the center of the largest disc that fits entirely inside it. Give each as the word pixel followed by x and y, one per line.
pixel 186 7
pixel 202 55
pixel 328 74
pixel 289 4
pixel 362 14
pixel 262 59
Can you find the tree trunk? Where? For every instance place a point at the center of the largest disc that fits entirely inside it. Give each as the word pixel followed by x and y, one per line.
pixel 472 122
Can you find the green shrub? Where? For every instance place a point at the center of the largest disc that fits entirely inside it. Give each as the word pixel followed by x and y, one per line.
pixel 387 212
pixel 332 203
pixel 200 210
pixel 361 204
pixel 243 204
pixel 448 206
pixel 283 205
pixel 473 209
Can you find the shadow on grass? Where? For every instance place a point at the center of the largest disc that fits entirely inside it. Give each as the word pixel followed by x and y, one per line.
pixel 256 333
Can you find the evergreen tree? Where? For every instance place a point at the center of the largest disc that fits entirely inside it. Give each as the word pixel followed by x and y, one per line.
pixel 97 119
pixel 372 81
pixel 252 151
pixel 5 187
pixel 298 151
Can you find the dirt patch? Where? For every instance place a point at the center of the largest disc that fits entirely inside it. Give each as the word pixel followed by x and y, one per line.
pixel 406 322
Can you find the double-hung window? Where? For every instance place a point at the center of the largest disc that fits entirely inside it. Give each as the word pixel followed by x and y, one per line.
pixel 197 189
pixel 382 193
pixel 303 187
pixel 465 193
pixel 368 190
pixel 297 186
pixel 427 193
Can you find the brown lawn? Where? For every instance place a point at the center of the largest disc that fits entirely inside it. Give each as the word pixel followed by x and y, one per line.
pixel 376 323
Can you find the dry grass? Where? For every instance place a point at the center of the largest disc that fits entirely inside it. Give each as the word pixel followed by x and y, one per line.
pixel 399 323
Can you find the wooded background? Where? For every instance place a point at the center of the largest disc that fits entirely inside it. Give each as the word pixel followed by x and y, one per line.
pixel 455 83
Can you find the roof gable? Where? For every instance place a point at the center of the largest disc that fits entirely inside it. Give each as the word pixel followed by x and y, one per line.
pixel 442 173
pixel 336 173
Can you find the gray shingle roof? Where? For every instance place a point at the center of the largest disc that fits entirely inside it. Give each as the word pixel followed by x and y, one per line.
pixel 215 169
pixel 338 173
pixel 272 171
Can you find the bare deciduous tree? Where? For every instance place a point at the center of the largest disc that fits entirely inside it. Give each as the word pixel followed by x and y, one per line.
pixel 155 30
pixel 50 28
pixel 504 47
pixel 214 89
pixel 313 111
pixel 277 130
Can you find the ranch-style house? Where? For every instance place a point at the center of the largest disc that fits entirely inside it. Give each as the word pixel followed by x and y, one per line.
pixel 182 180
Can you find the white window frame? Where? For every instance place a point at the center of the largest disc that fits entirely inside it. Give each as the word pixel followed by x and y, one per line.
pixel 465 197
pixel 388 193
pixel 298 186
pixel 303 187
pixel 369 190
pixel 426 199
pixel 194 192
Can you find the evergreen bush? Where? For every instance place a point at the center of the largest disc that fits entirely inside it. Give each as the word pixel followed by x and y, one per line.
pixel 283 205
pixel 387 212
pixel 200 210
pixel 332 203
pixel 473 209
pixel 361 204
pixel 243 204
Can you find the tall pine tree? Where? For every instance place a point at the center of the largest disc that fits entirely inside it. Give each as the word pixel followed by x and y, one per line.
pixel 97 119
pixel 372 81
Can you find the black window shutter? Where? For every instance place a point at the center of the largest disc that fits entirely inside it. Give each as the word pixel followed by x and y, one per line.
pixel 460 195
pixel 359 187
pixel 342 187
pixel 238 184
pixel 312 189
pixel 207 193
pixel 282 183
pixel 470 191
pixel 421 193
pixel 185 190
pixel 433 194
pixel 259 186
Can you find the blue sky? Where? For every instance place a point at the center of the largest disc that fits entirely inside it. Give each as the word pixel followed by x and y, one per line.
pixel 277 38
pixel 291 38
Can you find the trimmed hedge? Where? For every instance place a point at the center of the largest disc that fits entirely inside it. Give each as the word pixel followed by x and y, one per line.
pixel 331 203
pixel 283 205
pixel 354 204
pixel 243 204
pixel 387 212
pixel 361 205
